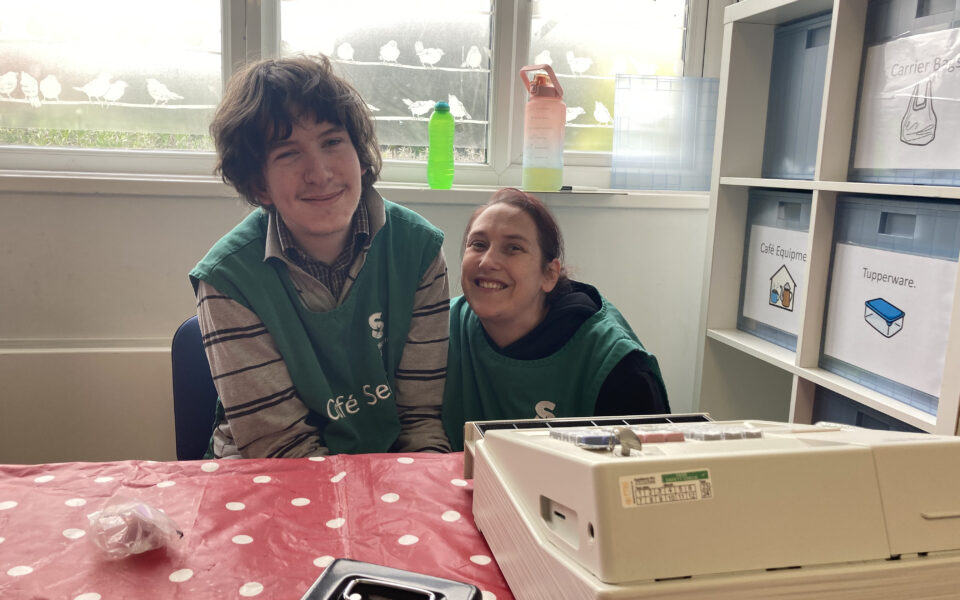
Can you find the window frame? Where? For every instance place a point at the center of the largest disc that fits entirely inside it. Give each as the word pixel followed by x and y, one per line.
pixel 250 29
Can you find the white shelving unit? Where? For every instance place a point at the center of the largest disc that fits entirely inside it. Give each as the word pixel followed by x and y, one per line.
pixel 742 376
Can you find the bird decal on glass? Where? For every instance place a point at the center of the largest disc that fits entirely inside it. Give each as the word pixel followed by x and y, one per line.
pixel 389 52
pixel 30 89
pixel 543 58
pixel 474 58
pixel 601 114
pixel 578 64
pixel 8 83
pixel 457 109
pixel 420 107
pixel 573 112
pixel 427 56
pixel 96 88
pixel 345 51
pixel 50 88
pixel 116 91
pixel 160 93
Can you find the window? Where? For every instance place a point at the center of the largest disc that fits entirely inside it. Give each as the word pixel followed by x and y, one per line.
pixel 141 76
pixel 109 73
pixel 403 57
pixel 589 43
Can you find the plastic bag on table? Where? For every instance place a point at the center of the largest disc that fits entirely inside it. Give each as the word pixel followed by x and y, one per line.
pixel 126 527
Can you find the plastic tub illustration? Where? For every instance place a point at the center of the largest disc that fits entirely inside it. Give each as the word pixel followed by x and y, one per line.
pixel 886 318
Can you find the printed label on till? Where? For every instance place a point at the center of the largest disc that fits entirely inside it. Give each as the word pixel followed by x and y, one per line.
pixel 663 488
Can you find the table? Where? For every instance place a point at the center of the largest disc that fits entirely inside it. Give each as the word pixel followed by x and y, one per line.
pixel 262 528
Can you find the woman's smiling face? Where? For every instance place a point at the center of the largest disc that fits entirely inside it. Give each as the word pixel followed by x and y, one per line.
pixel 502 274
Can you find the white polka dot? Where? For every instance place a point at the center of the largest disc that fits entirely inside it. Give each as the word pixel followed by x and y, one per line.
pixel 261 479
pixel 480 559
pixel 7 505
pixel 74 534
pixel 405 460
pixel 336 523
pixel 44 478
pixel 18 571
pixel 323 561
pixel 251 589
pixel 391 497
pixel 336 478
pixel 166 484
pixel 88 596
pixel 242 539
pixel 181 575
pixel 75 502
pixel 104 479
pixel 408 540
pixel 1 540
pixel 209 467
pixel 488 595
pixel 458 482
pixel 450 516
pixel 300 501
pixel 235 506
pixel 318 458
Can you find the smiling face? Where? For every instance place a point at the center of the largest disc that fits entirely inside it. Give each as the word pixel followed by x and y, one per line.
pixel 312 178
pixel 502 274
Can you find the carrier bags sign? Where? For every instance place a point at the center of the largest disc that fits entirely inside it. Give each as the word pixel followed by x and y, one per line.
pixel 889 314
pixel 909 115
pixel 776 272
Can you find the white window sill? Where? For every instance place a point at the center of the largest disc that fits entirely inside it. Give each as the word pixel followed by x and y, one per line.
pixel 71 182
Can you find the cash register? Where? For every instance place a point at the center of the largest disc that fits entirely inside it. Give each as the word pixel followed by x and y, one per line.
pixel 681 506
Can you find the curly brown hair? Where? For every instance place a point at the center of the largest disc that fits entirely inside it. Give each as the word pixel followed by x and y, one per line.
pixel 266 98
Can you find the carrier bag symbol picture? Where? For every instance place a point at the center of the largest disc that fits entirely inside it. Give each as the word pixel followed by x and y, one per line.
pixel 919 124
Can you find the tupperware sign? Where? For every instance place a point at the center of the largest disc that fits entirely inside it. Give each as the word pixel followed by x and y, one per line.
pixel 907 344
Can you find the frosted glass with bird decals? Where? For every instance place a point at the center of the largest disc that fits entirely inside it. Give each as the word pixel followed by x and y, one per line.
pixel 109 73
pixel 589 43
pixel 403 58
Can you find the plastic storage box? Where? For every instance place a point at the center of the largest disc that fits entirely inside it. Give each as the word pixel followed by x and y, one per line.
pixel 796 97
pixel 663 132
pixel 832 407
pixel 774 265
pixel 890 24
pixel 891 291
pixel 883 316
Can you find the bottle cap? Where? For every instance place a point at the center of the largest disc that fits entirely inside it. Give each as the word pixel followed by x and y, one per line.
pixel 542 87
pixel 442 106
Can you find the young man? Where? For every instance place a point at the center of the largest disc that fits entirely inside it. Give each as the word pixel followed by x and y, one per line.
pixel 325 311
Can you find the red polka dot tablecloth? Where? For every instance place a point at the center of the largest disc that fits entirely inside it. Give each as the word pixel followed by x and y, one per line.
pixel 252 528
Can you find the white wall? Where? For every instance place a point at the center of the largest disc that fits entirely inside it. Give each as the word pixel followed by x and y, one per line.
pixel 94 283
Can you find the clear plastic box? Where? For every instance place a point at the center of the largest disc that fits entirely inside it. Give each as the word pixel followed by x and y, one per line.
pixel 663 132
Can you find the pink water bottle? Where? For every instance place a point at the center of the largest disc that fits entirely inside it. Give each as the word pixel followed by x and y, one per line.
pixel 545 118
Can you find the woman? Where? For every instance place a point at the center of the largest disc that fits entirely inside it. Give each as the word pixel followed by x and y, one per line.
pixel 526 341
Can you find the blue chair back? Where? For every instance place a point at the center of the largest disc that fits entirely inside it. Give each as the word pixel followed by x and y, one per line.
pixel 194 395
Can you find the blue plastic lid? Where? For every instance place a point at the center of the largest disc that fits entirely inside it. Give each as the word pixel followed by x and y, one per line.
pixel 442 106
pixel 887 311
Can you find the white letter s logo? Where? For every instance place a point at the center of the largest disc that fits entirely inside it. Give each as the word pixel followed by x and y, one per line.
pixel 543 409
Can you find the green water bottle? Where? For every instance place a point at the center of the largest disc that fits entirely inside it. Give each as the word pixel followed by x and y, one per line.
pixel 440 152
